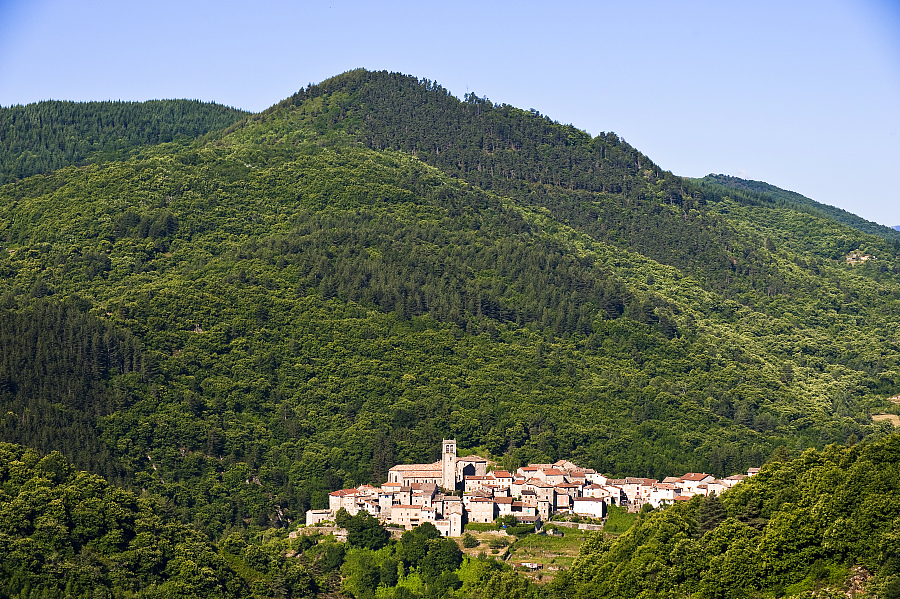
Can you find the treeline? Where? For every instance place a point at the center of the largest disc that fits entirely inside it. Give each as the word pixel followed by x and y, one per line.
pixel 46 136
pixel 799 527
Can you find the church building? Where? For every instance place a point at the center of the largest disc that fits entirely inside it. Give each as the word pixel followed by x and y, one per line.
pixel 448 473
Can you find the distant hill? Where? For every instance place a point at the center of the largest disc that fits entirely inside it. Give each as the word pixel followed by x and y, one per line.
pixel 45 136
pixel 761 191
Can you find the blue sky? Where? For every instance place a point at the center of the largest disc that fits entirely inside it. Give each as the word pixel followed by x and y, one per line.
pixel 803 95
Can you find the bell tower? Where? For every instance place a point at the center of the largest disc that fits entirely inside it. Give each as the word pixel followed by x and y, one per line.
pixel 448 464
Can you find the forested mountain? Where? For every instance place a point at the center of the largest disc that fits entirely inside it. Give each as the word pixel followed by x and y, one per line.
pixel 241 323
pixel 757 191
pixel 45 136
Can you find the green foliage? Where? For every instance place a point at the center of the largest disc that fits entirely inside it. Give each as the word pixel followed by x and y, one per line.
pixel 366 532
pixel 710 513
pixel 389 572
pixel 759 192
pixel 242 324
pixel 520 530
pixel 362 574
pixel 342 517
pixel 46 136
pixel 822 511
pixel 415 543
pixel 618 520
pixel 64 531
pixel 470 542
pixel 258 287
pixel 481 526
pixel 443 556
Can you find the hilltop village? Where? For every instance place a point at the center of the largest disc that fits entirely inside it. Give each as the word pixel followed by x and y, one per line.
pixel 418 493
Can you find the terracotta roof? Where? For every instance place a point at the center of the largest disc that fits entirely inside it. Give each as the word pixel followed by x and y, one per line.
pixel 501 474
pixel 553 472
pixel 682 498
pixel 408 467
pixel 694 476
pixel 503 499
pixel 343 493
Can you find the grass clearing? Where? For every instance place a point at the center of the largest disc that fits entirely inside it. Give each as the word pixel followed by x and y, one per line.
pixel 550 551
pixel 618 520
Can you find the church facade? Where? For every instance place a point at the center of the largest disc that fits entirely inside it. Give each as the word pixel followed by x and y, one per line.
pixel 447 473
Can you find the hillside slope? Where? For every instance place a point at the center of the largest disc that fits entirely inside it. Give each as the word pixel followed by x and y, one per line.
pixel 759 191
pixel 795 529
pixel 598 186
pixel 280 309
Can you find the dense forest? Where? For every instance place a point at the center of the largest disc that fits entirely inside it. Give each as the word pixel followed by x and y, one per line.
pixel 798 529
pixel 67 533
pixel 46 136
pixel 758 191
pixel 241 322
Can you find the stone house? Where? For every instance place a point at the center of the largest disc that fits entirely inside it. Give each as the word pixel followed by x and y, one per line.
pixel 482 509
pixel 589 506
